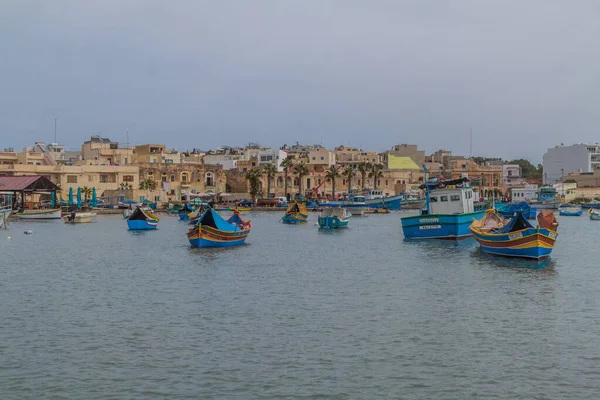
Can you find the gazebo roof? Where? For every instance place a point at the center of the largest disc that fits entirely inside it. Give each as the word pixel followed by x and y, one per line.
pixel 27 183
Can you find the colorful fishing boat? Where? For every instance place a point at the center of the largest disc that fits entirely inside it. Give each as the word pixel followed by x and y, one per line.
pixel 185 212
pixel 447 214
pixel 41 214
pixel 570 211
pixel 214 231
pixel 334 217
pixel 142 219
pixel 594 204
pixel 594 215
pixel 355 204
pixel 377 199
pixel 295 214
pixel 197 214
pixel 240 209
pixel 516 237
pixel 508 210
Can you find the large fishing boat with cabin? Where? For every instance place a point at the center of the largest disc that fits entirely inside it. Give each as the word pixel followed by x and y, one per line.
pixel 295 214
pixel 544 198
pixel 447 214
pixel 354 203
pixel 214 231
pixel 377 199
pixel 333 218
pixel 516 237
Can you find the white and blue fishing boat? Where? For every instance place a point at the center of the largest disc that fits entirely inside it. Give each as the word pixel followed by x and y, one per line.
pixel 5 212
pixel 142 220
pixel 447 214
pixel 355 204
pixel 566 211
pixel 334 217
pixel 376 199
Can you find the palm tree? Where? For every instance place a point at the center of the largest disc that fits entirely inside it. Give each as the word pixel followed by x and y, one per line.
pixel 269 171
pixel 147 184
pixel 301 170
pixel 124 186
pixel 86 192
pixel 349 173
pixel 376 174
pixel 331 174
pixel 364 167
pixel 286 164
pixel 253 177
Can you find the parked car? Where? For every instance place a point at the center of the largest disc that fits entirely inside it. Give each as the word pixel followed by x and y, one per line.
pixel 245 203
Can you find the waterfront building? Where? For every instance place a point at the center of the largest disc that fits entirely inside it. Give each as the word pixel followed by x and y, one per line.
pixel 564 160
pixel 512 175
pixel 101 150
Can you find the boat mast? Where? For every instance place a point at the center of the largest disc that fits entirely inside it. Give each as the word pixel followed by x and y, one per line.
pixel 426 189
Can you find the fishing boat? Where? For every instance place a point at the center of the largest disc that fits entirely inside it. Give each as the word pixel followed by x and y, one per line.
pixel 594 204
pixel 240 209
pixel 448 211
pixel 79 217
pixel 184 213
pixel 376 199
pixel 355 204
pixel 411 202
pixel 508 210
pixel 378 211
pixel 516 237
pixel 570 211
pixel 334 217
pixel 5 212
pixel 594 215
pixel 543 198
pixel 142 219
pixel 42 213
pixel 295 214
pixel 198 213
pixel 214 231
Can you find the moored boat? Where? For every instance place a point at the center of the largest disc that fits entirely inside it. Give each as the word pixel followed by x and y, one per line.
pixel 185 212
pixel 516 237
pixel 355 204
pixel 378 211
pixel 448 211
pixel 240 209
pixel 594 204
pixel 376 199
pixel 79 217
pixel 214 231
pixel 42 213
pixel 334 217
pixel 142 219
pixel 411 202
pixel 594 215
pixel 5 212
pixel 296 213
pixel 570 211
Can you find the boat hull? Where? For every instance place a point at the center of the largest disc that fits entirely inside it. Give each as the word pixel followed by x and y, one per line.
pixel 4 214
pixel 294 219
pixel 204 236
pixel 390 202
pixel 529 243
pixel 546 205
pixel 142 225
pixel 40 214
pixel 333 222
pixel 412 204
pixel 184 217
pixel 80 218
pixel 570 213
pixel 595 217
pixel 439 226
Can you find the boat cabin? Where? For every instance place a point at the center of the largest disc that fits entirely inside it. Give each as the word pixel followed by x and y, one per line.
pixel 547 194
pixel 527 193
pixel 375 194
pixel 457 200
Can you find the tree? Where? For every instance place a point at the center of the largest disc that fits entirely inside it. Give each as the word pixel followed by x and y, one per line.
pixel 528 170
pixel 331 174
pixel 301 170
pixel 376 174
pixel 253 177
pixel 124 186
pixel 364 167
pixel 269 171
pixel 147 184
pixel 86 192
pixel 349 173
pixel 286 164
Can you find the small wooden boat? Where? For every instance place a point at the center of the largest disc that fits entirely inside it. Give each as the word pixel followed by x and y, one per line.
pixel 142 219
pixel 5 212
pixel 570 211
pixel 594 215
pixel 296 213
pixel 516 237
pixel 79 217
pixel 594 204
pixel 185 212
pixel 334 217
pixel 214 231
pixel 378 211
pixel 197 215
pixel 240 209
pixel 43 213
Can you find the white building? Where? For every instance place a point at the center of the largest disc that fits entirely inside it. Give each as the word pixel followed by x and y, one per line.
pixel 529 192
pixel 564 160
pixel 511 175
pixel 227 161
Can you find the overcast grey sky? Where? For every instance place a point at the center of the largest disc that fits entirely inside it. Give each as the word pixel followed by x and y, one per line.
pixel 524 75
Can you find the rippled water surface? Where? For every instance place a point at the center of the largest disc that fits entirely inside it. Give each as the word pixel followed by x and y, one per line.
pixel 96 312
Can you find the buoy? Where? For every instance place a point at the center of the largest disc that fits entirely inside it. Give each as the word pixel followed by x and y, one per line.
pixel 29 232
pixel 10 237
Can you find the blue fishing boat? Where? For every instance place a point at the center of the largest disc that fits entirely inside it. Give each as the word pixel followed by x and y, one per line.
pixel 516 237
pixel 508 210
pixel 295 214
pixel 594 204
pixel 447 214
pixel 376 199
pixel 184 213
pixel 355 204
pixel 334 217
pixel 142 220
pixel 567 211
pixel 214 231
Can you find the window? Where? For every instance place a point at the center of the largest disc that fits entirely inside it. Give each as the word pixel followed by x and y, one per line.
pixel 433 199
pixel 322 158
pixel 184 177
pixel 443 198
pixel 149 173
pixel 172 178
pixel 127 178
pixel 107 179
pixel 314 158
pixel 455 197
pixel 210 179
pixel 71 178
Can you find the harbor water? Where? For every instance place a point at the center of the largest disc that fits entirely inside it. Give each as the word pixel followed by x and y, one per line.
pixel 94 311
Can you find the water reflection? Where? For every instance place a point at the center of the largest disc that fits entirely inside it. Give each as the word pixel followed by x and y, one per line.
pixel 481 257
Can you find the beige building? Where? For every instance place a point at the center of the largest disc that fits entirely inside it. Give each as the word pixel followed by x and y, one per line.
pixel 150 153
pixel 403 150
pixel 101 150
pixel 352 156
pixel 321 156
